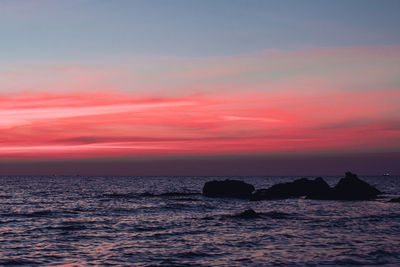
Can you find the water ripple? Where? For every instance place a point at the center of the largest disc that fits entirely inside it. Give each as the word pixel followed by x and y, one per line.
pixel 164 221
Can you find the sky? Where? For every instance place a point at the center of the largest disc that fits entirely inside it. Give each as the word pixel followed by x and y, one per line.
pixel 238 87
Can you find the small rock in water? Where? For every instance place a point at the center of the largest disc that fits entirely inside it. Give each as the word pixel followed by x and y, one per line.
pixel 248 214
pixel 395 200
pixel 228 188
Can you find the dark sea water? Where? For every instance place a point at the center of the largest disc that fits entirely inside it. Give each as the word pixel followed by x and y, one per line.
pixel 165 221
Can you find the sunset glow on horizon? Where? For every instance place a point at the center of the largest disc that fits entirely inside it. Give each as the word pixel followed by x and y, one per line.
pixel 319 101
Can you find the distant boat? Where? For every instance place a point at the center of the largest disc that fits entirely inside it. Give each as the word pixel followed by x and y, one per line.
pixel 386 174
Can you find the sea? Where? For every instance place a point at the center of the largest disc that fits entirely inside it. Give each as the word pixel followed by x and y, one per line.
pixel 165 221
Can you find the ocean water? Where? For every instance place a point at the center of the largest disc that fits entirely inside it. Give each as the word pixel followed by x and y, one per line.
pixel 165 221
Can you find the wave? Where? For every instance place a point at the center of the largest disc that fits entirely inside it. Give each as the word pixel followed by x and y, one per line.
pixel 33 214
pixel 174 263
pixel 343 221
pixel 121 195
pixel 149 228
pixel 250 214
pixel 192 254
pixel 348 262
pixel 380 217
pixel 71 227
pixel 17 262
pixel 185 199
pixel 64 226
pixel 280 215
pixel 148 194
pixel 170 194
pixel 187 206
pixel 380 253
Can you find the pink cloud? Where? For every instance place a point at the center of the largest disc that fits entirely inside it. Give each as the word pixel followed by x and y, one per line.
pixel 267 123
pixel 321 100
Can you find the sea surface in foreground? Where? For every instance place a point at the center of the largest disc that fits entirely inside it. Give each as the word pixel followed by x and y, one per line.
pixel 165 221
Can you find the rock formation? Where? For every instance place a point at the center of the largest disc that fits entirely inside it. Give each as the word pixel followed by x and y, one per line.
pixel 353 188
pixel 348 188
pixel 248 214
pixel 297 188
pixel 395 200
pixel 228 188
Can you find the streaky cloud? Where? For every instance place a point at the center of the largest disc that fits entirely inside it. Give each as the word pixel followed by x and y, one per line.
pixel 303 101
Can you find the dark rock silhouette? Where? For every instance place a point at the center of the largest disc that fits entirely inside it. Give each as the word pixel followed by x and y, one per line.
pixel 320 190
pixel 395 200
pixel 349 188
pixel 248 214
pixel 297 188
pixel 228 188
pixel 353 188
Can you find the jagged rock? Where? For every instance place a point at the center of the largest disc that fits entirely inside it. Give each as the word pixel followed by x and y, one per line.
pixel 353 188
pixel 349 188
pixel 396 200
pixel 320 190
pixel 228 188
pixel 248 214
pixel 297 188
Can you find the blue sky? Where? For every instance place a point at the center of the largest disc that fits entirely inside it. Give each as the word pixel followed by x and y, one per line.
pixel 77 30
